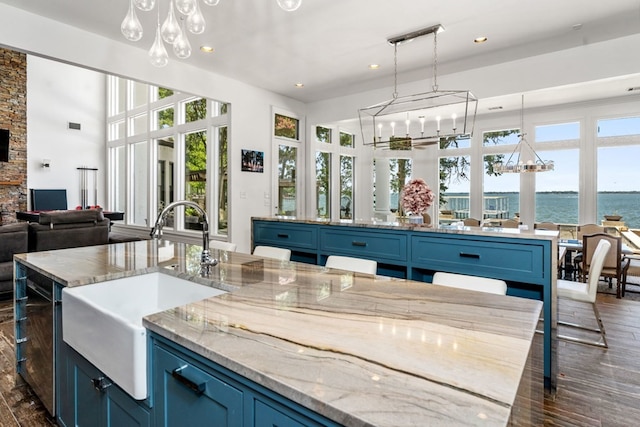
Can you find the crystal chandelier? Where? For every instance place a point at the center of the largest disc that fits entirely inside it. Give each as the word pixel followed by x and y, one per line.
pixel 534 164
pixel 185 16
pixel 422 119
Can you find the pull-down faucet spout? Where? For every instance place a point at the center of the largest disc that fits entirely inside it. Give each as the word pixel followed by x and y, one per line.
pixel 205 259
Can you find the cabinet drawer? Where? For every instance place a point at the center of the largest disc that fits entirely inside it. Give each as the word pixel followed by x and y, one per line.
pixel 366 244
pixel 300 236
pixel 187 395
pixel 521 262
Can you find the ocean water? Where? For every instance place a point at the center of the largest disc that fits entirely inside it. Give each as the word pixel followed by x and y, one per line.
pixel 562 207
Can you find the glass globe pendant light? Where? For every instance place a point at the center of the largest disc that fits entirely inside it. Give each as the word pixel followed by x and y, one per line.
pixel 195 22
pixel 158 54
pixel 131 27
pixel 145 5
pixel 182 47
pixel 289 5
pixel 170 28
pixel 186 7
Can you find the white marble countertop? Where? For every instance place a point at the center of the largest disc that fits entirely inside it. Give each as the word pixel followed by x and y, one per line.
pixel 358 349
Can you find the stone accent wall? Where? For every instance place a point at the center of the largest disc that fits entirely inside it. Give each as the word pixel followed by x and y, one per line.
pixel 13 116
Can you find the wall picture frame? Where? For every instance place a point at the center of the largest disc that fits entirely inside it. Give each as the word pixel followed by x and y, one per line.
pixel 252 161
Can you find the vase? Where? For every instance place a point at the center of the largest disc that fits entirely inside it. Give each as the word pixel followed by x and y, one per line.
pixel 415 219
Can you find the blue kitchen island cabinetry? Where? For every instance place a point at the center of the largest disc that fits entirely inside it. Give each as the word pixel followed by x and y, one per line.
pixel 191 390
pixel 526 260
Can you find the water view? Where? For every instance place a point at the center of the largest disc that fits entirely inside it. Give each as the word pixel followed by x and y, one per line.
pixel 560 207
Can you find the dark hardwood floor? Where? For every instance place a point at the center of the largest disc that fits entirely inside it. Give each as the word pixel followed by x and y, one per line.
pixel 596 387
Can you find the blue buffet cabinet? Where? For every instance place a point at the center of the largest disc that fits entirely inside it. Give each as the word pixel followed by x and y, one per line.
pixel 523 260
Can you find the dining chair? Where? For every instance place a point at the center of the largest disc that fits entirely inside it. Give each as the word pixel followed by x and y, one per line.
pixel 224 246
pixel 586 292
pixel 546 226
pixel 272 252
pixel 472 283
pixel 357 265
pixel 510 223
pixel 615 265
pixel 471 222
pixel 581 231
pixel 633 270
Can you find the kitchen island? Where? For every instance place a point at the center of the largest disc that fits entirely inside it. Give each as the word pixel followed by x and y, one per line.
pixel 355 349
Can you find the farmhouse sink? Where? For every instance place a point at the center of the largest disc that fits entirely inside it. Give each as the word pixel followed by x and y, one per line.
pixel 103 322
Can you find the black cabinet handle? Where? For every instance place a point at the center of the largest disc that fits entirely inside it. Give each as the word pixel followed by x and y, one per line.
pixel 354 243
pixel 284 236
pixel 466 255
pixel 100 383
pixel 197 388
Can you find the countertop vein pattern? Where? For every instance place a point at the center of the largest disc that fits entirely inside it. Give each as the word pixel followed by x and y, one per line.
pixel 361 350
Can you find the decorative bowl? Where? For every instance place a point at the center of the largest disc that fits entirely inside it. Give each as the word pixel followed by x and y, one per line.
pixel 613 217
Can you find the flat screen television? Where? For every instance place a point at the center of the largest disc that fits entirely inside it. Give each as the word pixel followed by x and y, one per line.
pixel 48 200
pixel 4 145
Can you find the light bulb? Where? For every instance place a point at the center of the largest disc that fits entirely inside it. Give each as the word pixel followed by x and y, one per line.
pixel 182 47
pixel 145 5
pixel 211 2
pixel 186 7
pixel 170 28
pixel 158 54
pixel 195 21
pixel 289 5
pixel 130 27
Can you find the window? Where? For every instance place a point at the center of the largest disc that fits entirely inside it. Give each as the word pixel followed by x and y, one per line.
pixel 346 187
pixel 287 161
pixel 619 127
pixel 618 177
pixel 347 139
pixel 557 132
pixel 195 161
pixel 557 190
pixel 454 188
pixel 286 127
pixel 141 188
pixel 323 134
pixel 323 184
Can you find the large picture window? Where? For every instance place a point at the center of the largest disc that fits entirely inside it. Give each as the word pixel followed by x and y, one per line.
pixel 166 146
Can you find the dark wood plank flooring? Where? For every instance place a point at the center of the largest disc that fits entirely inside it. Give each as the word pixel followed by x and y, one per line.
pixel 596 387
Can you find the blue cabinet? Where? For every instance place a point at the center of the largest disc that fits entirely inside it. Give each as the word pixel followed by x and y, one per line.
pixel 302 239
pixel 88 398
pixel 191 390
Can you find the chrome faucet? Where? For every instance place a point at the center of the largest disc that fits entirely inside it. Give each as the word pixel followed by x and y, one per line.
pixel 205 259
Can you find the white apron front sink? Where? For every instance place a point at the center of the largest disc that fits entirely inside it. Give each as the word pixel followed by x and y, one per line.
pixel 103 322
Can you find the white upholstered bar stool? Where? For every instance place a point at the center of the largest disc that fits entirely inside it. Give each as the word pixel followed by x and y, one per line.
pixel 357 265
pixel 272 252
pixel 223 246
pixel 472 283
pixel 586 292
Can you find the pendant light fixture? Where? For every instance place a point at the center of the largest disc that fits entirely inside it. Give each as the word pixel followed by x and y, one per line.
pixel 402 123
pixel 533 164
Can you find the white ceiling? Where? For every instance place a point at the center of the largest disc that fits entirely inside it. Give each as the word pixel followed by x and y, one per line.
pixel 328 44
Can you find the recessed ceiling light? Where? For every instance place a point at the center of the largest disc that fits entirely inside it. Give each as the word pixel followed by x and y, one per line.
pixel 299 85
pixel 206 49
pixel 497 107
pixel 374 66
pixel 577 26
pixel 480 39
pixel 633 89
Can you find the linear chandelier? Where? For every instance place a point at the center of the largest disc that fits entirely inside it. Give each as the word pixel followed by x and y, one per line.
pixel 421 119
pixel 533 164
pixel 186 16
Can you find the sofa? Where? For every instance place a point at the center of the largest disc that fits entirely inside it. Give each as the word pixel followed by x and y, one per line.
pixel 14 239
pixel 68 229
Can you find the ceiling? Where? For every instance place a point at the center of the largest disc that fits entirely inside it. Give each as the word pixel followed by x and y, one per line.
pixel 328 44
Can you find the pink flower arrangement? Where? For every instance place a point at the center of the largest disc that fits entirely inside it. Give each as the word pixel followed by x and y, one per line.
pixel 416 197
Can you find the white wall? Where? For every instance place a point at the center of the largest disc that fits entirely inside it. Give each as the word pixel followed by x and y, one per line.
pixel 251 107
pixel 59 94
